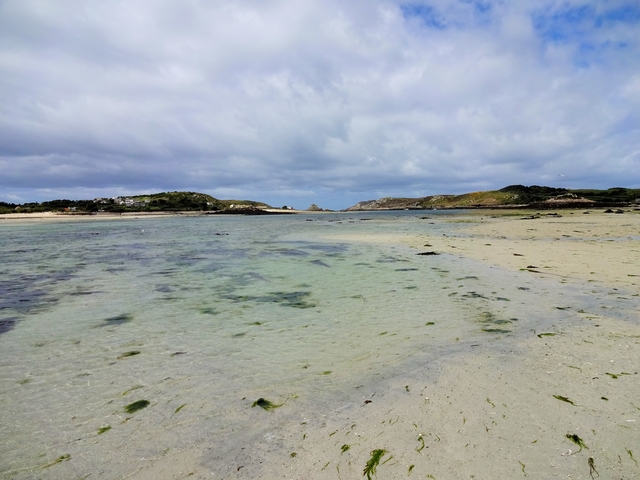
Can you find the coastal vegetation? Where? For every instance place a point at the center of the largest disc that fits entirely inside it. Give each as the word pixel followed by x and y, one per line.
pixel 157 202
pixel 512 196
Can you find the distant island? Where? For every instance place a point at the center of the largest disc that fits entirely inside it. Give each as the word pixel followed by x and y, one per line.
pixel 152 203
pixel 513 196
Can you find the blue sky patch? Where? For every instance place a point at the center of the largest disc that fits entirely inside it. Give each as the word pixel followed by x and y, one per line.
pixel 426 13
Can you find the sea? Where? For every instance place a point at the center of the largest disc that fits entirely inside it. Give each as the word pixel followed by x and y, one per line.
pixel 125 341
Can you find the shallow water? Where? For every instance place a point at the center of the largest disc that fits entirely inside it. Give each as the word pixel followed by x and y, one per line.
pixel 202 316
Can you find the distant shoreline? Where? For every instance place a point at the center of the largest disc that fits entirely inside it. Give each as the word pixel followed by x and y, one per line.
pixel 77 216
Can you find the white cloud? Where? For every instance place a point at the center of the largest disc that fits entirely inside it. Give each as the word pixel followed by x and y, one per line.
pixel 329 101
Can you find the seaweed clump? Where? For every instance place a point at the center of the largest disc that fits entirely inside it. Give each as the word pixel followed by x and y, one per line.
pixel 564 399
pixel 265 404
pixel 135 406
pixel 374 461
pixel 117 320
pixel 577 440
pixel 128 354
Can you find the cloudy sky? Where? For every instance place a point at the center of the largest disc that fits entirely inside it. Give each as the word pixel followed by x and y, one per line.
pixel 328 102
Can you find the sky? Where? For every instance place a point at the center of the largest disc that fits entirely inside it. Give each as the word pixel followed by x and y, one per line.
pixel 294 102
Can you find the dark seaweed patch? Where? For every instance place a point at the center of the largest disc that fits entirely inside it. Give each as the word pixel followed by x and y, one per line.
pixel 564 399
pixel 388 259
pixel 7 324
pixel 265 404
pixel 298 299
pixel 102 430
pixel 490 320
pixel 577 440
pixel 290 252
pixel 474 295
pixel 496 330
pixel 135 406
pixel 406 269
pixel 61 458
pixel 129 354
pixel 22 296
pixel 117 320
pixel 320 263
pixel 82 292
pixel 209 311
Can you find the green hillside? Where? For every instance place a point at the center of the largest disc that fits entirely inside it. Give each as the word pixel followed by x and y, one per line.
pixel 156 202
pixel 512 196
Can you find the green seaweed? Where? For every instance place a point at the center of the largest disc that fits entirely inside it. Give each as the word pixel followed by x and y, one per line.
pixel 577 440
pixel 631 456
pixel 604 398
pixel 496 330
pixel 179 408
pixel 265 404
pixel 61 458
pixel 135 387
pixel 523 466
pixel 344 448
pixel 491 403
pixel 421 440
pixel 101 430
pixel 374 461
pixel 128 354
pixel 293 454
pixel 616 375
pixel 411 467
pixel 430 323
pixel 326 372
pixel 135 406
pixel 540 335
pixel 563 399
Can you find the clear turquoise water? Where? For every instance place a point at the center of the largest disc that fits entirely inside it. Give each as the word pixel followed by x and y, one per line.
pixel 223 311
